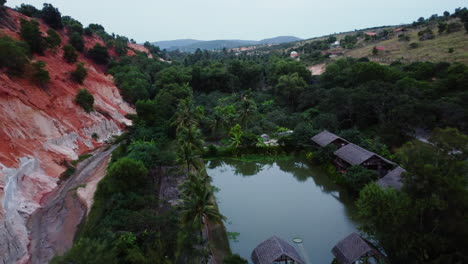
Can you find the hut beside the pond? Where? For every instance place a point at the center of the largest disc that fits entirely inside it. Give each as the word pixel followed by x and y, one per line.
pixel 352 154
pixel 325 138
pixel 275 250
pixel 354 248
pixel 392 179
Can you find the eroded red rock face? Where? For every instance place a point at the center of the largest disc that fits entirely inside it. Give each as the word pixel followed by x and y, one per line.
pixel 41 127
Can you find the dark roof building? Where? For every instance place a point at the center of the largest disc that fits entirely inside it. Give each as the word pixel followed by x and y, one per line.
pixel 352 248
pixel 355 155
pixel 275 249
pixel 392 179
pixel 325 137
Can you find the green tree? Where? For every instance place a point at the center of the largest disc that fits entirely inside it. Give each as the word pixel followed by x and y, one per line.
pixel 77 41
pixel 52 16
pixel 248 109
pixel 85 99
pixel 2 2
pixel 375 51
pixel 290 87
pixel 28 10
pixel 53 39
pixel 99 54
pixel 69 54
pixel 198 204
pixel 32 35
pixel 236 137
pixel 187 115
pixel 127 175
pixel 80 73
pixel 40 74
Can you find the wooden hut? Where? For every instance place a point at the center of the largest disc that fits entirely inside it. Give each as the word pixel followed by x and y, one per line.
pixel 351 154
pixel 325 138
pixel 392 179
pixel 353 248
pixel 275 250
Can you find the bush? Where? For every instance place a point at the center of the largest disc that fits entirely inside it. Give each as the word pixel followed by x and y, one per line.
pixel 85 100
pixel 357 177
pixel 52 16
pixel 40 75
pixel 414 45
pixel 77 41
pixel 99 54
pixel 126 175
pixel 32 35
pixel 79 74
pixel 451 50
pixel 53 39
pixel 13 55
pixel 69 54
pixel 453 27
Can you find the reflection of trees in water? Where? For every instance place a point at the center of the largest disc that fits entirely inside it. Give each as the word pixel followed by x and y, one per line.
pixel 300 170
pixel 247 168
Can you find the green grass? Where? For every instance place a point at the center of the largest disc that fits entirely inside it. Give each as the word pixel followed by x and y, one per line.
pixel 434 50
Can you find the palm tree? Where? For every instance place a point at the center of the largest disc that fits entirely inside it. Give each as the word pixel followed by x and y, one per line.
pixel 190 146
pixel 198 205
pixel 247 110
pixel 187 115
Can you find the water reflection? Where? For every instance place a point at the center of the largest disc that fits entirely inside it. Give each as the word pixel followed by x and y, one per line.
pixel 287 198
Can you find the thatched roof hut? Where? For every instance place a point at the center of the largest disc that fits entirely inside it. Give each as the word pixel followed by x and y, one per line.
pixel 355 155
pixel 275 249
pixel 392 179
pixel 325 137
pixel 352 248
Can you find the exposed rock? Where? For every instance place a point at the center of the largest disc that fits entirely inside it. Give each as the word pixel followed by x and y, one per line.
pixel 42 127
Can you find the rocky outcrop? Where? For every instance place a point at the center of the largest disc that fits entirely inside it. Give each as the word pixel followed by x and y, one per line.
pixel 40 128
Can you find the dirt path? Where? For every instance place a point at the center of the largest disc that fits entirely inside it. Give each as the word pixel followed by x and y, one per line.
pixel 53 227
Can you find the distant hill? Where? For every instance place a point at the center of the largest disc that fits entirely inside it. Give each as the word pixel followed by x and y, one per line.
pixel 190 45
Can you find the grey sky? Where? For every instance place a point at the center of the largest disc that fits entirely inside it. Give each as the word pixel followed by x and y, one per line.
pixel 242 19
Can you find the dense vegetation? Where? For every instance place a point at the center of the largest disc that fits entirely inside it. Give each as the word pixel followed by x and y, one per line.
pixel 230 101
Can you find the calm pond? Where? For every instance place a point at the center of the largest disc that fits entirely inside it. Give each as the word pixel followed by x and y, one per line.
pixel 287 198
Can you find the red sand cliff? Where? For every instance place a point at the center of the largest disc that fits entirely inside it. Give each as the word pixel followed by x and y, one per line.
pixel 45 124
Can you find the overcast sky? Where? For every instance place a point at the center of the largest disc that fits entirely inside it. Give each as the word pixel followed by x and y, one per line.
pixel 155 20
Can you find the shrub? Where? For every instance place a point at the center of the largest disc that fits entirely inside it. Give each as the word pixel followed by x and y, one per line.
pixel 451 50
pixel 32 35
pixel 79 74
pixel 77 41
pixel 69 54
pixel 52 16
pixel 85 100
pixel 414 45
pixel 40 75
pixel 357 177
pixel 13 55
pixel 28 10
pixel 126 175
pixel 442 27
pixel 99 54
pixel 403 37
pixel 453 27
pixel 53 39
